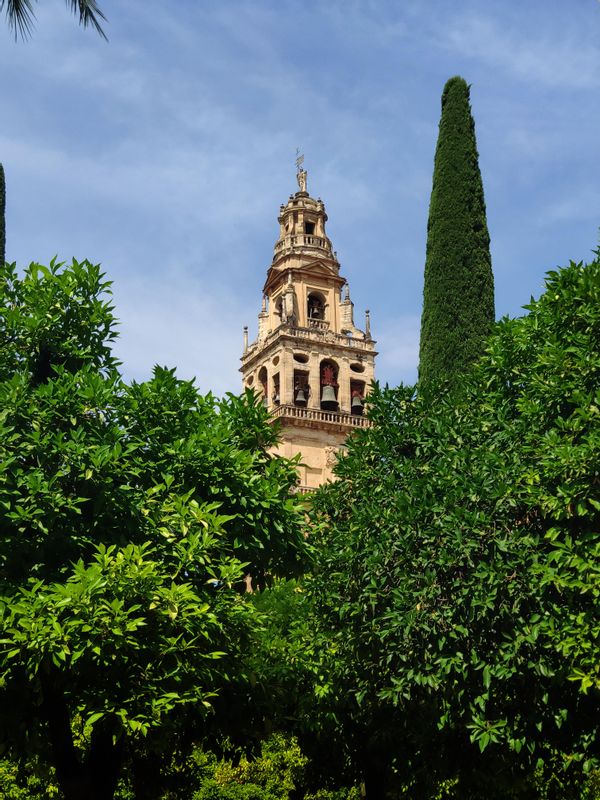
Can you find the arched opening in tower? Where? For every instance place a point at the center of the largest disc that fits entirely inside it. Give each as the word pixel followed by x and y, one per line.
pixel 329 385
pixel 357 397
pixel 301 388
pixel 263 381
pixel 315 306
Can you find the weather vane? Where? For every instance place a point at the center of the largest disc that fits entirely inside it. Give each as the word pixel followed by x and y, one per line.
pixel 301 172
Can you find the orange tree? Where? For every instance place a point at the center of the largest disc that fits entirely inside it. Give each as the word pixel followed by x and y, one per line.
pixel 128 516
pixel 456 579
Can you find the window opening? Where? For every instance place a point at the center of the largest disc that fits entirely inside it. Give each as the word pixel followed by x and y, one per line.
pixel 301 387
pixel 315 306
pixel 357 397
pixel 279 308
pixel 262 379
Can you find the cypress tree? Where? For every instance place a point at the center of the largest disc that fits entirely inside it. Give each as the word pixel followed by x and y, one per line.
pixel 458 295
pixel 2 216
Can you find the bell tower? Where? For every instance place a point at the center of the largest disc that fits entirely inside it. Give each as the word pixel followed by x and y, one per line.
pixel 309 362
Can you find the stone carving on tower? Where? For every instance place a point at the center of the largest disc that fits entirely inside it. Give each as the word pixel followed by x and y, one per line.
pixel 310 363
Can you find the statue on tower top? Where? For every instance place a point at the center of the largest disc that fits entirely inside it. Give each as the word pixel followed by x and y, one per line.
pixel 301 174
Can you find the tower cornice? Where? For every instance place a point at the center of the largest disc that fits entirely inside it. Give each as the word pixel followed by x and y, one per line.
pixel 318 269
pixel 313 338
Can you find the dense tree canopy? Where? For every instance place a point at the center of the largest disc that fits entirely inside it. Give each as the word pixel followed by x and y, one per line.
pixel 458 295
pixel 457 575
pixel 128 516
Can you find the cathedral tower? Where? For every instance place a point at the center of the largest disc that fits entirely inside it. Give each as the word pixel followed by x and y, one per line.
pixel 309 362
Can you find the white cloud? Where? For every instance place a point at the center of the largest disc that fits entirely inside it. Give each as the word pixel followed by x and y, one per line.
pixel 175 321
pixel 549 56
pixel 398 347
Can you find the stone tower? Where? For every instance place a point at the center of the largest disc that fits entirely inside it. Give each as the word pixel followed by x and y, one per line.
pixel 309 362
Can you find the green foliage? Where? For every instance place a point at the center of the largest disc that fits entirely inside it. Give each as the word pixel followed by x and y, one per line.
pixel 458 296
pixel 219 448
pixel 55 317
pixel 128 515
pixel 335 794
pixel 591 788
pixel 134 641
pixel 30 781
pixel 282 657
pixel 2 216
pixel 457 577
pixel 277 773
pixel 291 689
pixel 276 769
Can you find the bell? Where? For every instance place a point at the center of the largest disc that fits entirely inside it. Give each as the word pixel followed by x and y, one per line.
pixel 276 398
pixel 357 404
pixel 300 397
pixel 328 398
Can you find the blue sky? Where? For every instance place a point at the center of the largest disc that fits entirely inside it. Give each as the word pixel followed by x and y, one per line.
pixel 165 153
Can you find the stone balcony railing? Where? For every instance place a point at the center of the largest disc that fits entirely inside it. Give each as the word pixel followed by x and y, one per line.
pixel 319 416
pixel 301 240
pixel 299 489
pixel 320 332
pixel 318 324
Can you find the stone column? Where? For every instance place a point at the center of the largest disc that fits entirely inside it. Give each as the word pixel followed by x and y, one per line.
pixel 285 378
pixel 314 381
pixel 344 388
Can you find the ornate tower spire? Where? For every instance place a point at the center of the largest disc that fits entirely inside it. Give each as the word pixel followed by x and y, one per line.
pixel 310 363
